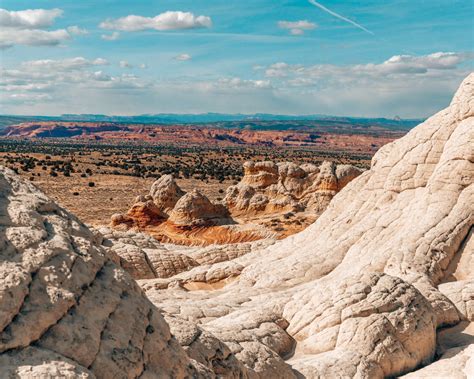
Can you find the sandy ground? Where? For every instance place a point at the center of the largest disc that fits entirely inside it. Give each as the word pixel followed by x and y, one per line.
pixel 110 194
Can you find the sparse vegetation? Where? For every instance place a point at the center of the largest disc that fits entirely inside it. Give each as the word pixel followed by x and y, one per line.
pixel 95 179
pixel 221 164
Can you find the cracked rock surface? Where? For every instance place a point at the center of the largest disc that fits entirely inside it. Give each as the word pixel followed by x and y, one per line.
pixel 66 309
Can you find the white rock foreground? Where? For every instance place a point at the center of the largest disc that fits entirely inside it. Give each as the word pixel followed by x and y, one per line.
pixel 360 293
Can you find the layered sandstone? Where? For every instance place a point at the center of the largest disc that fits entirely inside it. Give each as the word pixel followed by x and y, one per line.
pixel 268 188
pixel 267 196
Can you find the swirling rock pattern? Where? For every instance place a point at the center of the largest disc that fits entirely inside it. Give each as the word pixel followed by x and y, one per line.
pixel 362 291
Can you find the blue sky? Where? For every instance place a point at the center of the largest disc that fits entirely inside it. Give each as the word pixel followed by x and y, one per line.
pixel 360 58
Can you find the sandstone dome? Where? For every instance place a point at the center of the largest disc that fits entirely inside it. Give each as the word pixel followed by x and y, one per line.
pixel 165 192
pixel 194 208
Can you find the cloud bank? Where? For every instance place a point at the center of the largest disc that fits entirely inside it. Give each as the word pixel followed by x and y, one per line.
pixel 28 27
pixel 404 85
pixel 171 20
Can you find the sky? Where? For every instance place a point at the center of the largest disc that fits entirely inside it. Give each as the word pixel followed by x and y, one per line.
pixel 349 58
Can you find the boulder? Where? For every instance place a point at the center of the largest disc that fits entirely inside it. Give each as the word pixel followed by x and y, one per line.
pixel 195 209
pixel 165 193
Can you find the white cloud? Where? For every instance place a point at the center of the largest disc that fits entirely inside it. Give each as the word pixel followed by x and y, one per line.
pixel 281 69
pixel 407 64
pixel 125 64
pixel 183 57
pixel 29 19
pixel 171 20
pixel 41 80
pixel 241 83
pixel 76 30
pixel 409 86
pixel 68 64
pixel 29 28
pixel 143 65
pixel 297 27
pixel 110 37
pixel 10 37
pixel 398 65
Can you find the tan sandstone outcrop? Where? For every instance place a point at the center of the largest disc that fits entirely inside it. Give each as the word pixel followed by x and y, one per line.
pixel 165 193
pixel 274 188
pixel 195 209
pixel 268 195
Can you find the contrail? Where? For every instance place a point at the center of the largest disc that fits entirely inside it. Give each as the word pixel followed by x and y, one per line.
pixel 320 6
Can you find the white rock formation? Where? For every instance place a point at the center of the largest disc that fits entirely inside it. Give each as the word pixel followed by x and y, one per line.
pixel 66 309
pixel 356 294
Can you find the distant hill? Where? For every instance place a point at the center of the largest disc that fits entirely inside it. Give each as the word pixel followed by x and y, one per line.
pixel 249 121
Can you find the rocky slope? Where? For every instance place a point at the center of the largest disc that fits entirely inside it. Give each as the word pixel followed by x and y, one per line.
pixel 66 309
pixel 380 285
pixel 367 289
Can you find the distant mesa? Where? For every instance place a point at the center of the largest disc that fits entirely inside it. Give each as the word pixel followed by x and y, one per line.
pixel 328 134
pixel 170 118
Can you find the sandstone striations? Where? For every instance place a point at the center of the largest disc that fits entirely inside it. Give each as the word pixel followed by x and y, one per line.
pixel 380 285
pixel 268 195
pixel 269 188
